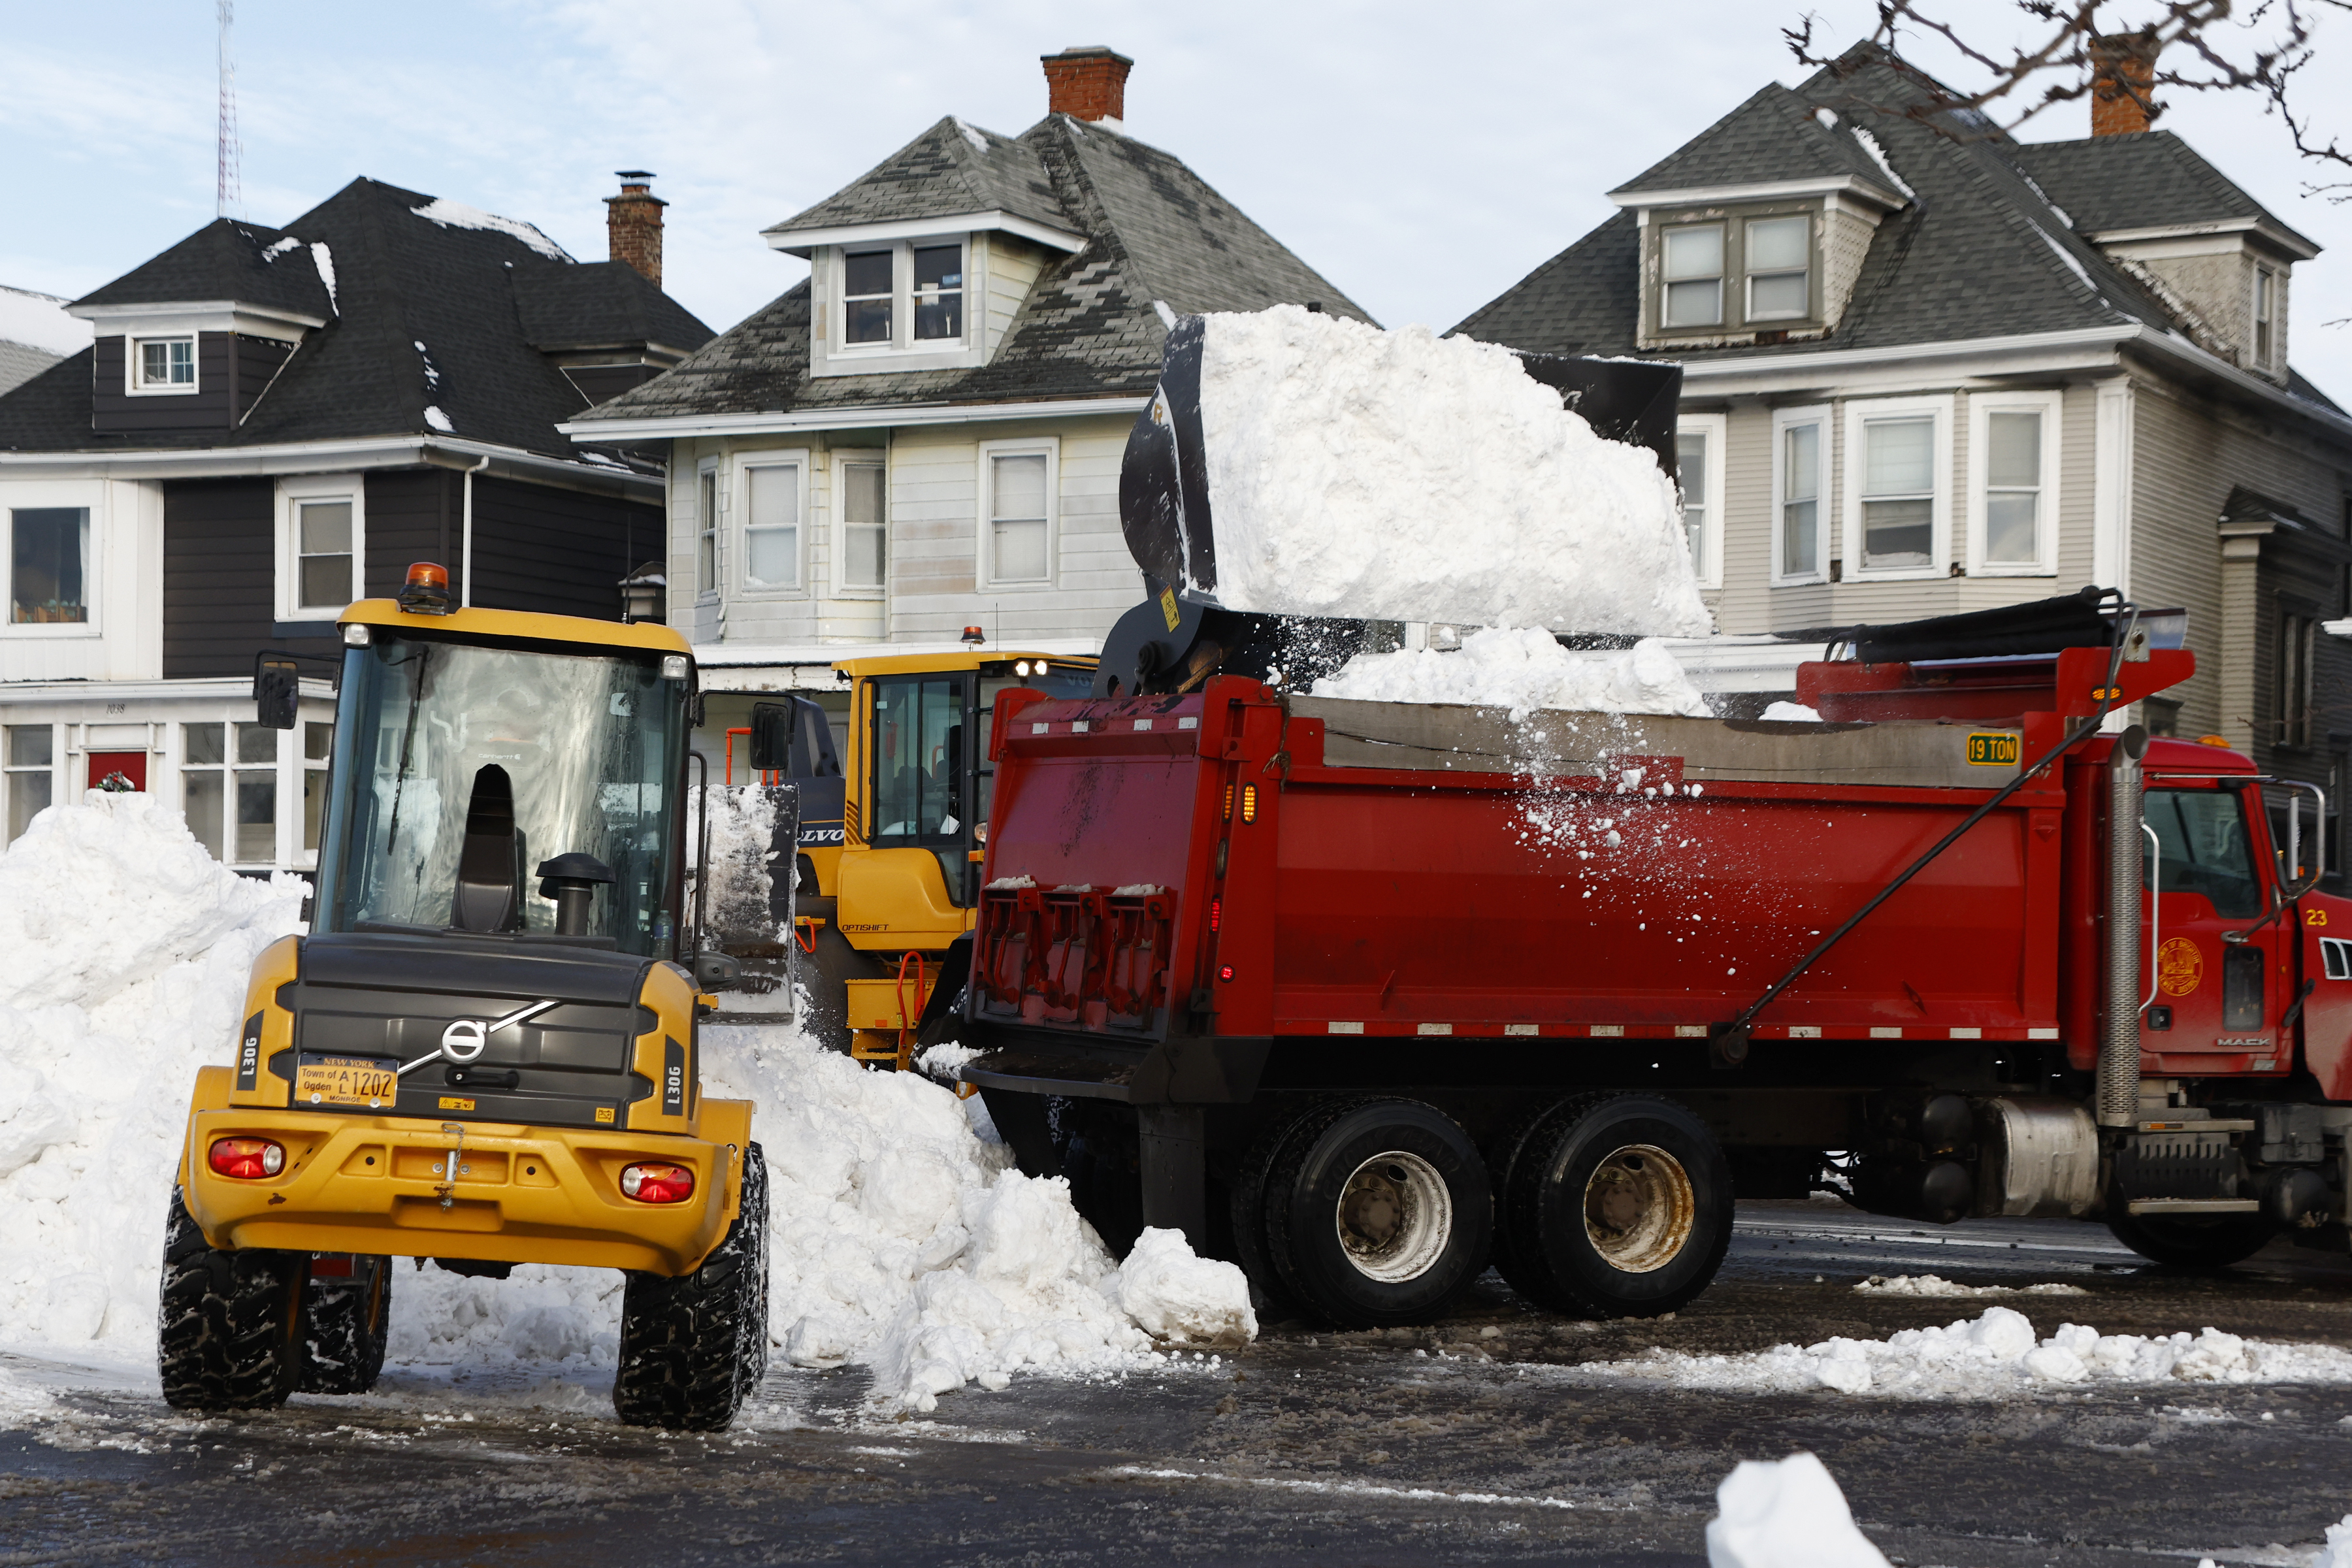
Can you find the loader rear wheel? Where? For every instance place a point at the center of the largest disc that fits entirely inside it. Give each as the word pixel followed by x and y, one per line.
pixel 1376 1212
pixel 346 1320
pixel 692 1347
pixel 2191 1241
pixel 1619 1206
pixel 228 1330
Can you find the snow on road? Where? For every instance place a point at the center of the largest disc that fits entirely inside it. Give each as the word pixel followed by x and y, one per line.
pixel 902 1238
pixel 1785 1513
pixel 1937 1285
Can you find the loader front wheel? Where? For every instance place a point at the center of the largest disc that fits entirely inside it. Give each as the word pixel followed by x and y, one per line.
pixel 346 1321
pixel 1618 1207
pixel 228 1329
pixel 693 1348
pixel 1376 1212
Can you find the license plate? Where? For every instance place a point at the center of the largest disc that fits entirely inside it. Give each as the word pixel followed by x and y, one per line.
pixel 367 1083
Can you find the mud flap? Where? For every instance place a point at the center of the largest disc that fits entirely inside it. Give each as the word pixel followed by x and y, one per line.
pixel 942 1018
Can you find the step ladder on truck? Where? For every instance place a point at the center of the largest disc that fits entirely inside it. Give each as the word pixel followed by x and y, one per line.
pixel 486 1049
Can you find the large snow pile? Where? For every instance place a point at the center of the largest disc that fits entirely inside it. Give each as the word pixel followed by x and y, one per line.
pixel 1988 1357
pixel 901 1238
pixel 2337 1552
pixel 1522 670
pixel 1402 475
pixel 1786 1513
pixel 129 947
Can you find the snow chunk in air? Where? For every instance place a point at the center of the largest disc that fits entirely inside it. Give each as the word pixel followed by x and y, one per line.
pixel 457 215
pixel 1785 1514
pixel 1522 670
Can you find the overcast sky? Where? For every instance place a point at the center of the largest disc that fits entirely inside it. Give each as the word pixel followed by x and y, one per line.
pixel 1422 158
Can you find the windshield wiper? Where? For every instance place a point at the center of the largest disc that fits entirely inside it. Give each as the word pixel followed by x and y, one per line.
pixel 408 742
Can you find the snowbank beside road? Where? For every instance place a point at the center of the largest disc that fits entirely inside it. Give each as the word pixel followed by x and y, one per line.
pixel 902 1239
pixel 1525 671
pixel 1988 1357
pixel 1402 475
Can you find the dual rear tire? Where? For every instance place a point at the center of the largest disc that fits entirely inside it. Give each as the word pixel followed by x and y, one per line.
pixel 1377 1212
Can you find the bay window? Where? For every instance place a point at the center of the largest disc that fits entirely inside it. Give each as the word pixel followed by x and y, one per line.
pixel 772 525
pixel 705 530
pixel 31 774
pixel 1800 475
pixel 1897 486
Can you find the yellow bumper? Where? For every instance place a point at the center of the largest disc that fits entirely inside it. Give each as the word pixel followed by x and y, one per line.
pixel 382 1185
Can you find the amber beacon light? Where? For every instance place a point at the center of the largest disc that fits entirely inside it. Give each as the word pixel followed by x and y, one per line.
pixel 426 591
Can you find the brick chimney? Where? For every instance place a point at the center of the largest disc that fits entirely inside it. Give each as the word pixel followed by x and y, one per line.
pixel 1088 83
pixel 2125 66
pixel 633 221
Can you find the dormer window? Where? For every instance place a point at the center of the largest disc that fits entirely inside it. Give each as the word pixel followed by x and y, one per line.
pixel 1693 258
pixel 906 297
pixel 164 364
pixel 2265 295
pixel 1779 256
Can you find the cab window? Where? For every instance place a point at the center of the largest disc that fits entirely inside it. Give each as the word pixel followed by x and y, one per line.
pixel 2204 849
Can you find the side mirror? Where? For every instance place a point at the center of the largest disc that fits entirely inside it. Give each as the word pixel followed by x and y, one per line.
pixel 716 970
pixel 771 737
pixel 277 691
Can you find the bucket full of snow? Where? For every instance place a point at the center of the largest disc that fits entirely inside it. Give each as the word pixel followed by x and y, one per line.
pixel 1298 464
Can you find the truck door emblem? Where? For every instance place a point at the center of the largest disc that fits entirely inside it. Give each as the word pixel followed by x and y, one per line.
pixel 466 1039
pixel 2178 966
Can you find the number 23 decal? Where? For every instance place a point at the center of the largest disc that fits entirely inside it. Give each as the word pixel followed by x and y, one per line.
pixel 2314 916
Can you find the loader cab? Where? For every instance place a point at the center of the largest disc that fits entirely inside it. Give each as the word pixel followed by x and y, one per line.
pixel 507 776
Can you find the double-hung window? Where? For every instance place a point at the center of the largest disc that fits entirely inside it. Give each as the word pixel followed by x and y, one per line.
pixel 705 530
pixel 31 759
pixel 1017 485
pixel 865 525
pixel 228 790
pixel 2297 634
pixel 2013 483
pixel 1693 277
pixel 1799 477
pixel 1698 452
pixel 164 364
pixel 939 293
pixel 772 494
pixel 321 545
pixel 868 292
pixel 2265 308
pixel 1779 268
pixel 49 566
pixel 1897 486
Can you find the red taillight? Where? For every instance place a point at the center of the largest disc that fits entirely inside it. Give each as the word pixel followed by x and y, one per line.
pixel 657 1183
pixel 1226 973
pixel 1217 914
pixel 246 1159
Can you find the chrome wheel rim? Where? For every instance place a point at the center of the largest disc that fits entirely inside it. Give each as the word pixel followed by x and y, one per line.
pixel 1639 1208
pixel 1394 1217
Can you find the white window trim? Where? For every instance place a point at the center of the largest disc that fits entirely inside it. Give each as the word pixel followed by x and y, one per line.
pixel 1982 406
pixel 707 475
pixel 1717 429
pixel 983 542
pixel 840 587
pixel 71 495
pixel 130 357
pixel 1940 549
pixel 786 456
pixel 319 487
pixel 833 354
pixel 1782 418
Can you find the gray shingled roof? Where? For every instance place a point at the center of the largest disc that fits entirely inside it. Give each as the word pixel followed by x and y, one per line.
pixel 225 260
pixel 1155 232
pixel 1775 135
pixel 2146 180
pixel 1978 251
pixel 401 281
pixel 952 168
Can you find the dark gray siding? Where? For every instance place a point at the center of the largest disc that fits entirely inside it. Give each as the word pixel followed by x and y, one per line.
pixel 257 361
pixel 209 408
pixel 598 383
pixel 559 551
pixel 414 514
pixel 220 572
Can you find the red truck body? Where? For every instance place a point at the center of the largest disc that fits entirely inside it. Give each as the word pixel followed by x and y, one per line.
pixel 1221 899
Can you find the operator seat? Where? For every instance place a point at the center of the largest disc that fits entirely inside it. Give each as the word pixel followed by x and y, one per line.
pixel 489 865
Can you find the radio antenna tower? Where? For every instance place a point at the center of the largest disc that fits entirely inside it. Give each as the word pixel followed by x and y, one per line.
pixel 228 192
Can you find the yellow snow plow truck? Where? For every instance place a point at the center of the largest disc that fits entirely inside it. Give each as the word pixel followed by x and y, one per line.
pixel 484 1052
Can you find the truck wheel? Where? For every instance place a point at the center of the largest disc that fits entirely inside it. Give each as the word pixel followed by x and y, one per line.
pixel 1376 1212
pixel 1504 1152
pixel 694 1346
pixel 228 1330
pixel 1247 1201
pixel 346 1321
pixel 1619 1206
pixel 2186 1241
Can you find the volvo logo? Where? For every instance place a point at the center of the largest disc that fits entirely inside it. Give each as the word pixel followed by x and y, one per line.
pixel 465 1040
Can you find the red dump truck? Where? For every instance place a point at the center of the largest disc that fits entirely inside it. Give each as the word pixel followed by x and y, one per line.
pixel 1364 995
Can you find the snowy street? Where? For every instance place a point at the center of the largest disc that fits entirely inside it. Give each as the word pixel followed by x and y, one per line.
pixel 1474 1441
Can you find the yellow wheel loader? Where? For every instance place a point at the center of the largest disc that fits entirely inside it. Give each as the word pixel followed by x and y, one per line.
pixel 890 837
pixel 485 1051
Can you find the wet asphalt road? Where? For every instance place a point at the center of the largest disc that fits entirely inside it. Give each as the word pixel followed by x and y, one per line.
pixel 1449 1444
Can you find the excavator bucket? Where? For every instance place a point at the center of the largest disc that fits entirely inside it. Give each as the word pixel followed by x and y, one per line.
pixel 1163 489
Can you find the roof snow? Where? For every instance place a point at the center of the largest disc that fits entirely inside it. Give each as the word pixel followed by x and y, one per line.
pixel 457 215
pixel 324 260
pixel 438 420
pixel 39 321
pixel 1878 155
pixel 979 142
pixel 2066 256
